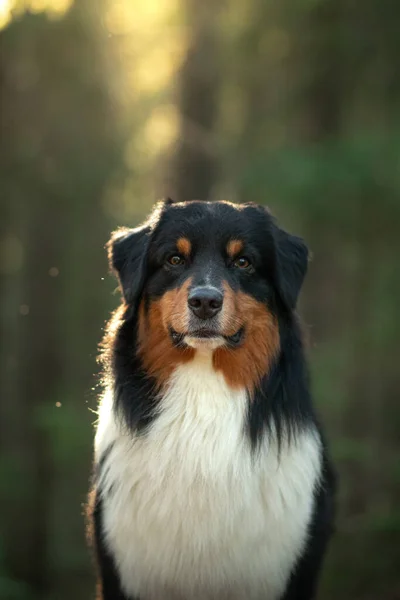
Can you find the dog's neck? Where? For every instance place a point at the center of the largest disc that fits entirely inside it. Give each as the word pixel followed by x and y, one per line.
pixel 196 385
pixel 199 421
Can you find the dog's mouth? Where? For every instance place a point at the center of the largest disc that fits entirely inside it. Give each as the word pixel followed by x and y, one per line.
pixel 204 337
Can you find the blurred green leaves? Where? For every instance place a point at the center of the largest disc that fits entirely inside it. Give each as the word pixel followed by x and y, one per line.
pixel 333 181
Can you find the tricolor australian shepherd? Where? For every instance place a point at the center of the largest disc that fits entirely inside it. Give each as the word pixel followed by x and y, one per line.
pixel 212 480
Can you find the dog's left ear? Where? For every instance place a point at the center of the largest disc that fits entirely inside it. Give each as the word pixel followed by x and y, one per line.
pixel 291 259
pixel 127 252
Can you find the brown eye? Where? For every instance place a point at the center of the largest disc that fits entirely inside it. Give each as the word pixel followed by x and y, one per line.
pixel 242 262
pixel 176 260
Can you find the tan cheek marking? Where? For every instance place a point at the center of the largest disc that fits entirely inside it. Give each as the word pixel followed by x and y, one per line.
pixel 184 246
pixel 175 310
pixel 234 247
pixel 229 317
pixel 245 366
pixel 159 356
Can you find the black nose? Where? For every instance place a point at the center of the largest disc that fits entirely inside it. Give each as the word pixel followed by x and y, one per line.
pixel 205 302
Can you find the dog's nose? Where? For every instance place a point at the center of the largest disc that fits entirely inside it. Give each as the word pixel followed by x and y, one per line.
pixel 205 302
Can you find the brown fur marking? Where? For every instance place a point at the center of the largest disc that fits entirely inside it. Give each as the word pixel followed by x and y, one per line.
pixel 90 537
pixel 246 365
pixel 234 247
pixel 184 246
pixel 159 356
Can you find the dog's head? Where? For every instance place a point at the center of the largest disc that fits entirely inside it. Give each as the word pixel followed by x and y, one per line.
pixel 212 278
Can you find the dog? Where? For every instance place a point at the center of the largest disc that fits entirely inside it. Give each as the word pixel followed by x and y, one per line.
pixel 212 476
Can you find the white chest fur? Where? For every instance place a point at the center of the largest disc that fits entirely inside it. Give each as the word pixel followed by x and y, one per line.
pixel 193 514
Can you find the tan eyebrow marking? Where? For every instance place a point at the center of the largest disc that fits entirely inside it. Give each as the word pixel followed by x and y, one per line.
pixel 184 246
pixel 234 247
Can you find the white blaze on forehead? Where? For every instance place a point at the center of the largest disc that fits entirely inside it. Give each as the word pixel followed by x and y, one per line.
pixel 208 277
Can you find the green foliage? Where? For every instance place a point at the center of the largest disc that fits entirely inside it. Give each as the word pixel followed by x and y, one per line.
pixel 69 432
pixel 14 590
pixel 333 181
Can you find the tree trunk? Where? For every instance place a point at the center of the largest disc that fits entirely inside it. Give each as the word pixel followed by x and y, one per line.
pixel 195 164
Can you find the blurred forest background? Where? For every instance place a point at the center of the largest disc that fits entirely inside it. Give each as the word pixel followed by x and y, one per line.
pixel 108 105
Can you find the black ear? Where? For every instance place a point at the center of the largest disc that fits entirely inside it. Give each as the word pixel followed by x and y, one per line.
pixel 291 259
pixel 127 251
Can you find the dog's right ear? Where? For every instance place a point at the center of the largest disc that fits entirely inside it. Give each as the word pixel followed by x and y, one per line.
pixel 127 251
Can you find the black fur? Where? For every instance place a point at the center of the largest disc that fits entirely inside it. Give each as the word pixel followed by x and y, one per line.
pixel 304 579
pixel 281 402
pixel 283 398
pixel 130 379
pixel 127 252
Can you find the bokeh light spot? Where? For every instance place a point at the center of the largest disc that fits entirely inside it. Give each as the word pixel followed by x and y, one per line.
pixel 24 310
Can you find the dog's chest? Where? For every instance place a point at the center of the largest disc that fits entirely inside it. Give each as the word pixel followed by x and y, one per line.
pixel 191 512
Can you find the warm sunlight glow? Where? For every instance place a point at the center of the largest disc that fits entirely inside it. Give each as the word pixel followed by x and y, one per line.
pixel 150 42
pixel 157 135
pixel 136 16
pixel 159 65
pixel 161 128
pixel 118 19
pixel 6 8
pixel 54 8
pixel 11 8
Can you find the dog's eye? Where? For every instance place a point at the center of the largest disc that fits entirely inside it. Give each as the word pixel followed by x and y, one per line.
pixel 176 260
pixel 242 262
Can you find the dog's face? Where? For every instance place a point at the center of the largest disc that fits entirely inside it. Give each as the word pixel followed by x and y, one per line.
pixel 211 278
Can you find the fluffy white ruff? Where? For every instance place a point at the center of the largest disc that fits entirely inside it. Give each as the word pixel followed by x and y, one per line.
pixel 192 513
